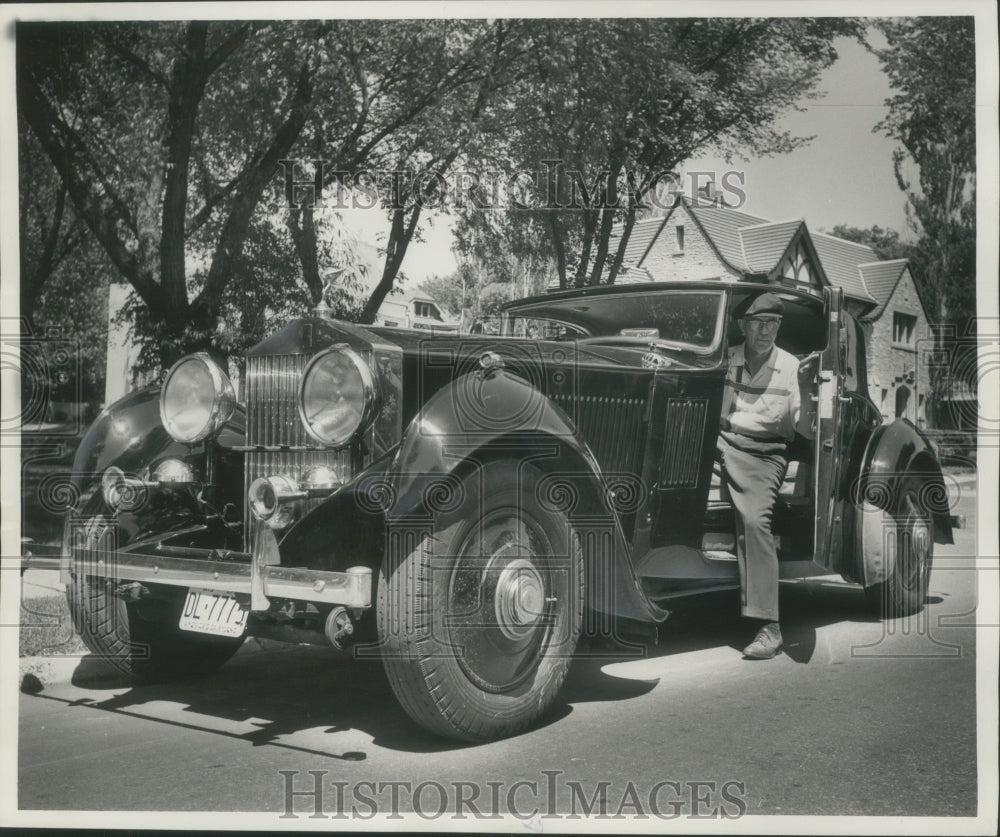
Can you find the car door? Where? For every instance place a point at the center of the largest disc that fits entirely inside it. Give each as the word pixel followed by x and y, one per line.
pixel 828 531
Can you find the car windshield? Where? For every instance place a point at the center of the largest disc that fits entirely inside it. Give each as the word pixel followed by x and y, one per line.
pixel 685 318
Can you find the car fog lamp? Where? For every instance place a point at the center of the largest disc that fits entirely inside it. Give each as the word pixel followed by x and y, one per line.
pixel 321 477
pixel 274 500
pixel 174 472
pixel 197 398
pixel 120 492
pixel 338 396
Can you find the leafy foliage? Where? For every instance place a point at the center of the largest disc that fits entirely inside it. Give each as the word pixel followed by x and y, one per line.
pixel 167 138
pixel 63 285
pixel 621 102
pixel 931 63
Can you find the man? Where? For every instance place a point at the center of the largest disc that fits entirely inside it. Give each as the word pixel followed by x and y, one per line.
pixel 766 402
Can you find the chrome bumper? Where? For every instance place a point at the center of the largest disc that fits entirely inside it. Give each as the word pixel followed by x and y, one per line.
pixel 258 574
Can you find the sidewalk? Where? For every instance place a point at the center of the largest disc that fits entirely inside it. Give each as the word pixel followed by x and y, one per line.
pixel 37 584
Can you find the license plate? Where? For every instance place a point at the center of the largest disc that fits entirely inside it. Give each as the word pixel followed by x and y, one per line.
pixel 210 612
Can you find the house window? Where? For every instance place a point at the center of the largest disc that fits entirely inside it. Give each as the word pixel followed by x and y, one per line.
pixel 426 309
pixel 902 402
pixel 679 238
pixel 796 269
pixel 903 327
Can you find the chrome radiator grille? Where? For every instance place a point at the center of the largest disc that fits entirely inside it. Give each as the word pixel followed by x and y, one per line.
pixel 271 395
pixel 614 427
pixel 684 432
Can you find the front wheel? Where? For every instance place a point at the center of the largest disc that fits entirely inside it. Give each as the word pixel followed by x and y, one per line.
pixel 479 617
pixel 909 535
pixel 141 639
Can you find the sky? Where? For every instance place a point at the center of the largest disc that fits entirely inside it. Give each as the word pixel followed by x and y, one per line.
pixel 844 175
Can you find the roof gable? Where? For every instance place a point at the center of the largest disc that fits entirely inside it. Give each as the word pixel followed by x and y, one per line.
pixel 881 279
pixel 764 245
pixel 721 226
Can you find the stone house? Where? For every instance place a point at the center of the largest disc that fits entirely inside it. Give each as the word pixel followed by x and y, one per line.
pixel 699 239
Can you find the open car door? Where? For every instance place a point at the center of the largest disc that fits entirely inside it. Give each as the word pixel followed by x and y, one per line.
pixel 828 531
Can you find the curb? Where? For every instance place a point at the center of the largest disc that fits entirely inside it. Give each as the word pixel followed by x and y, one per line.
pixel 82 669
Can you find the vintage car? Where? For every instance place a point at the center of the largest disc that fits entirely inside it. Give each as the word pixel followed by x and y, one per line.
pixel 465 508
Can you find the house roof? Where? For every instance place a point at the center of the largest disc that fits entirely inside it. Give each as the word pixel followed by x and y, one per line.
pixel 765 244
pixel 881 279
pixel 751 244
pixel 644 233
pixel 722 225
pixel 841 260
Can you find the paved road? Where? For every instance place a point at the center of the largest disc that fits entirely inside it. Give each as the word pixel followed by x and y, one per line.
pixel 858 717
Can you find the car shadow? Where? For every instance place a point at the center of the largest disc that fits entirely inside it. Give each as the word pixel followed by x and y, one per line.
pixel 282 690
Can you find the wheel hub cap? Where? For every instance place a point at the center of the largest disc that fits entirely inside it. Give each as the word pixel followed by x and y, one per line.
pixel 921 540
pixel 520 599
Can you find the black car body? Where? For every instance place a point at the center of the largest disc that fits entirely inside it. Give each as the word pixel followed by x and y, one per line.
pixel 464 508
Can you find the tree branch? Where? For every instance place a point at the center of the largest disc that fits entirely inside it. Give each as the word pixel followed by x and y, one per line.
pixel 101 210
pixel 133 59
pixel 257 175
pixel 221 53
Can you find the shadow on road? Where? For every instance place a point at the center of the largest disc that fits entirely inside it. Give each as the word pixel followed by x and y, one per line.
pixel 289 689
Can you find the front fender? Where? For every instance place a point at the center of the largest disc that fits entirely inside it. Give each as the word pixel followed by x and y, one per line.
pixel 476 417
pixel 894 451
pixel 130 435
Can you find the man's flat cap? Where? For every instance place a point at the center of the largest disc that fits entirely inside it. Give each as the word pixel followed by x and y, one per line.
pixel 764 303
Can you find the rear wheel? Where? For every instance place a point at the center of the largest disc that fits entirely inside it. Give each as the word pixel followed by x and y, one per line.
pixel 140 638
pixel 479 619
pixel 909 538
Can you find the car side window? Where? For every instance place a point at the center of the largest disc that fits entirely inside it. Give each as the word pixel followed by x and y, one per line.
pixel 855 379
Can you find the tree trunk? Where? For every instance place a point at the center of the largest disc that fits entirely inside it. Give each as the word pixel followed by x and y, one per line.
pixel 302 227
pixel 400 236
pixel 616 264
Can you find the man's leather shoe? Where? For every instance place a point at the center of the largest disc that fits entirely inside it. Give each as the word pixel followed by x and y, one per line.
pixel 766 644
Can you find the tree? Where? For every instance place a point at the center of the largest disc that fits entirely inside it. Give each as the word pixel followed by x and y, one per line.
pixel 931 64
pixel 63 285
pixel 169 140
pixel 416 119
pixel 605 108
pixel 126 115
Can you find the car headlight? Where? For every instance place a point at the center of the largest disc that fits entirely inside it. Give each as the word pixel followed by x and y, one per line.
pixel 337 397
pixel 197 398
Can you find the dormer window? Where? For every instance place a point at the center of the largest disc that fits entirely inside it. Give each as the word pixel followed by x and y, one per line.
pixel 427 310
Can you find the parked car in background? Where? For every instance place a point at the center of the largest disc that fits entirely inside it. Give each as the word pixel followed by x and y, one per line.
pixel 465 508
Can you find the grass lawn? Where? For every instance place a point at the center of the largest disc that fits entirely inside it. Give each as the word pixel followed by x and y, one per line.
pixel 46 628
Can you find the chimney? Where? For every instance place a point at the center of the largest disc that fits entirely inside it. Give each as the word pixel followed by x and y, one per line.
pixel 708 196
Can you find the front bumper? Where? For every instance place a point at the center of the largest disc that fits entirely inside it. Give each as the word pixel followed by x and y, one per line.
pixel 257 574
